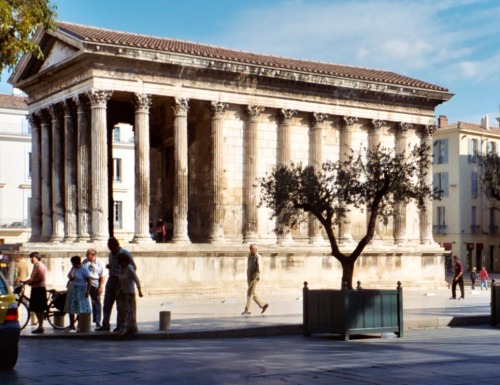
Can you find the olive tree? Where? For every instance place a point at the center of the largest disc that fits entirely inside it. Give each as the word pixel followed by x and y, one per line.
pixel 19 19
pixel 373 180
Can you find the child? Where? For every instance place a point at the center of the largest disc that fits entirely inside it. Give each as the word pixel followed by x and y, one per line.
pixel 473 278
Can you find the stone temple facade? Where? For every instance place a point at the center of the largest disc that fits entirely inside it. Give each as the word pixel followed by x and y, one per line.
pixel 208 123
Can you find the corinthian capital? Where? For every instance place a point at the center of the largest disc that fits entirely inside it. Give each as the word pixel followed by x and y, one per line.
pixel 180 106
pixel 427 130
pixel 349 121
pixel 377 124
pixel 286 114
pixel 142 102
pixel 217 109
pixel 98 98
pixel 254 111
pixel 404 127
pixel 318 118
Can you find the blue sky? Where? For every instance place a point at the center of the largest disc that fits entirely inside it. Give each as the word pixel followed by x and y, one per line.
pixel 452 43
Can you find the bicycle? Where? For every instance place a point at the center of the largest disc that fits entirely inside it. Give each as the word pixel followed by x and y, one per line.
pixel 54 313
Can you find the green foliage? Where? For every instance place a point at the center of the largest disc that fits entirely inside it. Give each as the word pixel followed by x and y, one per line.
pixel 19 19
pixel 373 180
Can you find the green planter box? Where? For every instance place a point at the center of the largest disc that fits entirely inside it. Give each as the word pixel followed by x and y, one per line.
pixel 495 304
pixel 350 312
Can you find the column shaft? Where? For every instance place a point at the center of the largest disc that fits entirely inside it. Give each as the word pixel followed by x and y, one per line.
pixel 46 187
pixel 400 209
pixel 217 110
pixel 36 208
pixel 82 170
pixel 250 183
pixel 142 184
pixel 180 230
pixel 99 171
pixel 315 160
pixel 426 214
pixel 345 151
pixel 69 176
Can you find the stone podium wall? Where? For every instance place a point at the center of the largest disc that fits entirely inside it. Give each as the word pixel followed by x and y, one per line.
pixel 202 270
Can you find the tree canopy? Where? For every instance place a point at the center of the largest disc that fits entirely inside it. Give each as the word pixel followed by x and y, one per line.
pixel 19 19
pixel 375 180
pixel 490 174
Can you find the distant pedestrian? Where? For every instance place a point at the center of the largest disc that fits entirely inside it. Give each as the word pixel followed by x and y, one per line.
pixel 77 296
pixel 473 276
pixel 98 274
pixel 458 278
pixel 483 277
pixel 161 231
pixel 113 283
pixel 38 299
pixel 254 264
pixel 20 270
pixel 125 299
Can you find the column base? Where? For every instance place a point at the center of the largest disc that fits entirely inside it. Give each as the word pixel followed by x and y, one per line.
pixel 285 239
pixel 181 239
pixel 70 239
pixel 82 239
pixel 141 239
pixel 250 237
pixel 316 240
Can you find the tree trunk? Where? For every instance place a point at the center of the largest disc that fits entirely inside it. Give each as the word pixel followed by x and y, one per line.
pixel 347 272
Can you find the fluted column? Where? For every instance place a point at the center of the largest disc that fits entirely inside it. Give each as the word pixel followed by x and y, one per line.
pixel 36 208
pixel 82 170
pixel 46 178
pixel 142 104
pixel 99 170
pixel 284 158
pixel 250 183
pixel 400 209
pixel 316 160
pixel 180 230
pixel 374 141
pixel 69 175
pixel 425 214
pixel 57 176
pixel 217 110
pixel 345 151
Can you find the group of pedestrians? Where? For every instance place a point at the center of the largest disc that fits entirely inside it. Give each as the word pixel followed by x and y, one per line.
pixel 458 279
pixel 87 280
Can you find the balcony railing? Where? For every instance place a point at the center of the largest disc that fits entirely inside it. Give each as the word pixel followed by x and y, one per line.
pixel 475 229
pixel 440 229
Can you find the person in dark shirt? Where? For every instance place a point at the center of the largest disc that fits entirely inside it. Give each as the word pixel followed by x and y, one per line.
pixel 458 278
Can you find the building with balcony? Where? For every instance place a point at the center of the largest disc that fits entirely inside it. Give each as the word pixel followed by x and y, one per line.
pixel 465 220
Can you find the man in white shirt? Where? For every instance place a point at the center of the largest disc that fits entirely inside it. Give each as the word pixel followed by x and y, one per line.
pixel 98 274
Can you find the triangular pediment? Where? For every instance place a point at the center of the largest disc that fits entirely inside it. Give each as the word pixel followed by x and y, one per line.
pixel 59 53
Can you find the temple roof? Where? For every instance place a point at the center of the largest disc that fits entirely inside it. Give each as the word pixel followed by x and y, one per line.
pixel 13 102
pixel 94 35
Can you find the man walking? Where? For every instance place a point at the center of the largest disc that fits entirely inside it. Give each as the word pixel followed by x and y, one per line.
pixel 98 274
pixel 254 263
pixel 458 278
pixel 113 283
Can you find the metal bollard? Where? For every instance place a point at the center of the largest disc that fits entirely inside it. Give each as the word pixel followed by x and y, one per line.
pixel 84 322
pixel 165 317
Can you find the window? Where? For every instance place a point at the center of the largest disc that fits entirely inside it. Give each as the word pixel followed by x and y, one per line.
pixel 441 183
pixel 440 153
pixel 117 170
pixel 116 134
pixel 441 226
pixel 117 214
pixel 473 150
pixel 491 147
pixel 473 181
pixel 474 227
pixel 493 222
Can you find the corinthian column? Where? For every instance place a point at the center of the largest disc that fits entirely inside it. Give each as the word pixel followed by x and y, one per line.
pixel 57 177
pixel 250 215
pixel 82 170
pixel 69 175
pixel 36 208
pixel 426 213
pixel 315 160
pixel 284 159
pixel 345 151
pixel 400 209
pixel 141 127
pixel 99 170
pixel 46 186
pixel 217 110
pixel 374 140
pixel 180 234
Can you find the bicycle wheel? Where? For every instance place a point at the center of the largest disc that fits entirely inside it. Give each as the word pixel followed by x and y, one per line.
pixel 57 319
pixel 24 314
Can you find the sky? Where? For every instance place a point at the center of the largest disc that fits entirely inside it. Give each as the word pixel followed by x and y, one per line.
pixel 451 43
